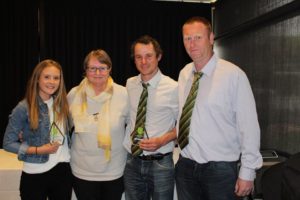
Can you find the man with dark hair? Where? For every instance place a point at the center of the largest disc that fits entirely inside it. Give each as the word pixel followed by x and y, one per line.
pixel 153 97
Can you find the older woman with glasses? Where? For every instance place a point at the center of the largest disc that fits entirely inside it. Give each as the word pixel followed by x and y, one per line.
pixel 99 109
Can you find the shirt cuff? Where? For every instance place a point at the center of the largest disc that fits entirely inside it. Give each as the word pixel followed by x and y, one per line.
pixel 247 174
pixel 22 151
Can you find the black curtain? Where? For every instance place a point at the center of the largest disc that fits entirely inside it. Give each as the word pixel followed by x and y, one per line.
pixel 72 29
pixel 20 52
pixel 67 30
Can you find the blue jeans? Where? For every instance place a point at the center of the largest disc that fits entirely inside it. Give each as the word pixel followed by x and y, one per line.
pixel 149 179
pixel 208 181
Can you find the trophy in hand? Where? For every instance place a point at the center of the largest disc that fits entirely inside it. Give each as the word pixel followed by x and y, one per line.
pixel 56 136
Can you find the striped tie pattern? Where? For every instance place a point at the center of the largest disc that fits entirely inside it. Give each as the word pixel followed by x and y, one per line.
pixel 187 111
pixel 139 128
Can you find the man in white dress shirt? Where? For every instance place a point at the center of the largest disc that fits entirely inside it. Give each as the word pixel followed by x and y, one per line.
pixel 150 172
pixel 223 127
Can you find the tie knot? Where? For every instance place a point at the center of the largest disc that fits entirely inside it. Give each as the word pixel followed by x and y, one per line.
pixel 198 74
pixel 145 85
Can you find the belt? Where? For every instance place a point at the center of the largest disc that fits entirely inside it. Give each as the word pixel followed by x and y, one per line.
pixel 158 156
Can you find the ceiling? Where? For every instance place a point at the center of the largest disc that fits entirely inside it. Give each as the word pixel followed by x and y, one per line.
pixel 192 1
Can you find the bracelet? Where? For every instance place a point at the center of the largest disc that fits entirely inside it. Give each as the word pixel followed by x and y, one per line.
pixel 36 150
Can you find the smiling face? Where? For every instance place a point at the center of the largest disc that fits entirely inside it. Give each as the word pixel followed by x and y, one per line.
pixel 48 82
pixel 146 60
pixel 97 73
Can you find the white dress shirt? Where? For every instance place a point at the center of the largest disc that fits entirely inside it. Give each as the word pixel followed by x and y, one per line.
pixel 224 122
pixel 162 108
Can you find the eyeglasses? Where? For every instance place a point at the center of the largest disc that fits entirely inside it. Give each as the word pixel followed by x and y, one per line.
pixel 101 69
pixel 192 38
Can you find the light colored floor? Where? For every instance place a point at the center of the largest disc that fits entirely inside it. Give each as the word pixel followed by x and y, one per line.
pixel 10 173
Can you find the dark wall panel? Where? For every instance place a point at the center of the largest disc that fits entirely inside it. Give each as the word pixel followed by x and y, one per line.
pixel 242 13
pixel 268 51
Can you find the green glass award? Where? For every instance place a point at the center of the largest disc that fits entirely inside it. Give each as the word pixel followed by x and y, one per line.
pixel 56 136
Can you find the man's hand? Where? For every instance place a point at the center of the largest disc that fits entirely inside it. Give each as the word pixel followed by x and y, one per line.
pixel 151 144
pixel 154 143
pixel 243 187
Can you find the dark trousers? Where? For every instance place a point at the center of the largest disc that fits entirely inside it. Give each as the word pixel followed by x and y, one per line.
pixel 209 181
pixel 55 184
pixel 98 190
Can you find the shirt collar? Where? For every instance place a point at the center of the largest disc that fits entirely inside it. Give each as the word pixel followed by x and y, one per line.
pixel 153 82
pixel 210 66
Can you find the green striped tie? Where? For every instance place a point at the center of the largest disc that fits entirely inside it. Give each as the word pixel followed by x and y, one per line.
pixel 187 111
pixel 139 128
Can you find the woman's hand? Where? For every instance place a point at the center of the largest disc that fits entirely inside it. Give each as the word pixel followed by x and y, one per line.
pixel 49 148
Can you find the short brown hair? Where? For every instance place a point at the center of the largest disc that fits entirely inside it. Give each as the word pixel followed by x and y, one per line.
pixel 146 39
pixel 199 20
pixel 100 55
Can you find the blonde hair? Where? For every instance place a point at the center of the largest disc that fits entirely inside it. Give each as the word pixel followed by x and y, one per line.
pixel 60 103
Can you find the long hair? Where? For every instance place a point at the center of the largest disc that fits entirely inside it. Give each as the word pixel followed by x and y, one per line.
pixel 60 103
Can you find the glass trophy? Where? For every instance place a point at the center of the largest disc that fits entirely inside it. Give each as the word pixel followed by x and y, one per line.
pixel 138 135
pixel 56 136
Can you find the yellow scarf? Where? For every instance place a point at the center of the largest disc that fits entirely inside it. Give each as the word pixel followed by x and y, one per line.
pixel 84 91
